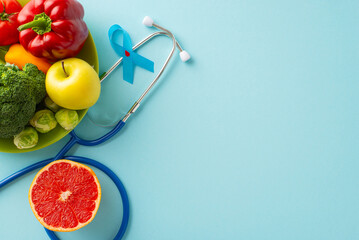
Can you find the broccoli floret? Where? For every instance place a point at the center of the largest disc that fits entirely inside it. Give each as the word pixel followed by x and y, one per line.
pixel 38 78
pixel 19 93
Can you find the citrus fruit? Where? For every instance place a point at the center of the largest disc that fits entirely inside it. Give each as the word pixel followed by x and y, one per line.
pixel 65 195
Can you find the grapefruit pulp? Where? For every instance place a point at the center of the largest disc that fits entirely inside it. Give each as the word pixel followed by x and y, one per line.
pixel 65 196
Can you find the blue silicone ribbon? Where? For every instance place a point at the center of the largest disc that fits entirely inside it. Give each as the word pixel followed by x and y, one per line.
pixel 130 58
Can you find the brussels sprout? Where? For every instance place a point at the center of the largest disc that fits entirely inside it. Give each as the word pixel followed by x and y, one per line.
pixel 68 119
pixel 27 138
pixel 44 121
pixel 51 105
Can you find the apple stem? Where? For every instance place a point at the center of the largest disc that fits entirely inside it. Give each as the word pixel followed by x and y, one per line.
pixel 63 68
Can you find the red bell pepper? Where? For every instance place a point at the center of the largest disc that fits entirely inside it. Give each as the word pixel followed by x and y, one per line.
pixel 9 10
pixel 53 29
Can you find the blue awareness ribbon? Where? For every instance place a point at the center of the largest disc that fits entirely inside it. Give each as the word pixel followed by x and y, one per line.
pixel 130 58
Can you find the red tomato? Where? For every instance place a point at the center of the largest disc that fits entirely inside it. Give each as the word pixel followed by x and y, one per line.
pixel 9 10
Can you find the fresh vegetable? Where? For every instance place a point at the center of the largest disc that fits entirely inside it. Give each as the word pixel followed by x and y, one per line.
pixel 53 29
pixel 37 79
pixel 51 105
pixel 19 56
pixel 27 138
pixel 65 195
pixel 20 91
pixel 9 10
pixel 73 84
pixel 3 51
pixel 43 121
pixel 68 119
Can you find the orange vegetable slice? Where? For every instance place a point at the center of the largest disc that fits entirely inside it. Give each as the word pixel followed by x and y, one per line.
pixel 19 56
pixel 65 196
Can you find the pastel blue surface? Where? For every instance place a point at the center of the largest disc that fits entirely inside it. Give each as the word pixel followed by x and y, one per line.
pixel 256 138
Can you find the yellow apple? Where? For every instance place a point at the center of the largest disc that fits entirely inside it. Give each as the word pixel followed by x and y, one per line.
pixel 73 84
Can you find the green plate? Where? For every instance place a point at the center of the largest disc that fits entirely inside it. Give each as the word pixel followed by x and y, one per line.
pixel 89 54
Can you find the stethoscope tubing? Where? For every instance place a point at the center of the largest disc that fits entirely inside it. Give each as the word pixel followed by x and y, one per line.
pixel 73 140
pixel 175 44
pixel 100 140
pixel 121 188
pixel 77 140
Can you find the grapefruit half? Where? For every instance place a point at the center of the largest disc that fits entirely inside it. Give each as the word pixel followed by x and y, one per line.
pixel 65 196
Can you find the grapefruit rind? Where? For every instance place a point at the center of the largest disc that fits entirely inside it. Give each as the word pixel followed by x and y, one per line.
pixel 80 225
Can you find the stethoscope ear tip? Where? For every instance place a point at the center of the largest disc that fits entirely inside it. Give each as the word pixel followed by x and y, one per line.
pixel 185 56
pixel 147 21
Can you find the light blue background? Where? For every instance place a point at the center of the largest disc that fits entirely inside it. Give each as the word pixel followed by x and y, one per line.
pixel 256 138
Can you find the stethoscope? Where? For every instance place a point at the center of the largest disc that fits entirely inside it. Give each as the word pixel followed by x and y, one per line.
pixel 77 140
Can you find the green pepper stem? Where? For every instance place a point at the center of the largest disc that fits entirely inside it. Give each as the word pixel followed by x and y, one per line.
pixel 41 24
pixel 35 23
